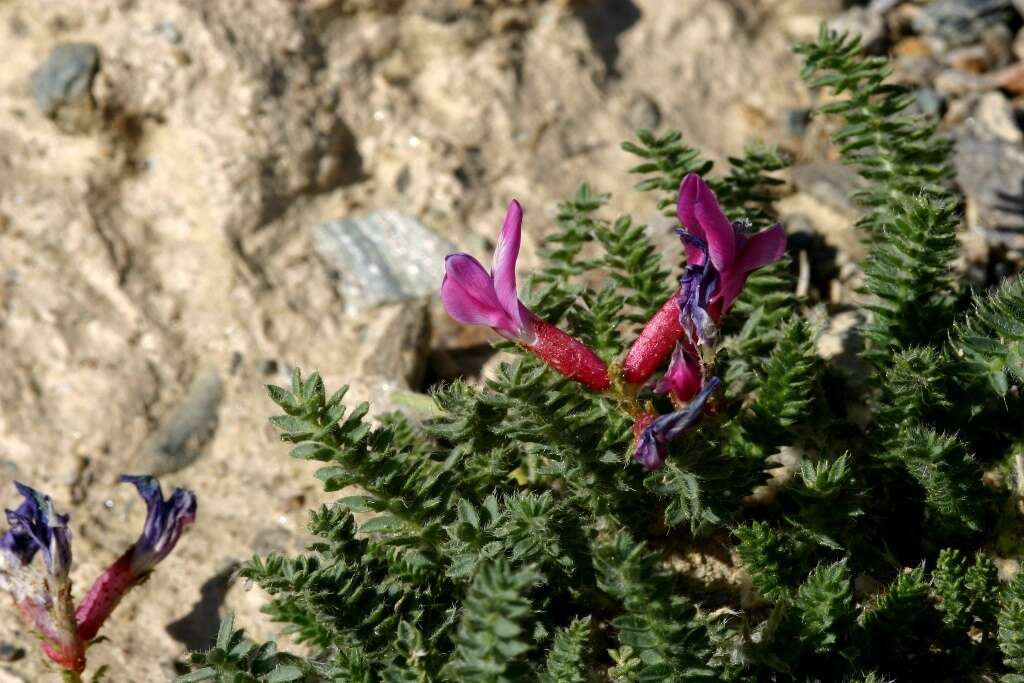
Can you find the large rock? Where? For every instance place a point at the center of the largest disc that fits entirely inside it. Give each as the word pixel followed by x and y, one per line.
pixel 990 170
pixel 385 257
pixel 962 22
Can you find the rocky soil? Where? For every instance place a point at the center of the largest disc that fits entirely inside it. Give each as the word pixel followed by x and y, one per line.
pixel 165 172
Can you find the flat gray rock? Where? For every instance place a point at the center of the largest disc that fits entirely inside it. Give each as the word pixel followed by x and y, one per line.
pixel 66 75
pixel 185 432
pixel 382 258
pixel 962 22
pixel 990 170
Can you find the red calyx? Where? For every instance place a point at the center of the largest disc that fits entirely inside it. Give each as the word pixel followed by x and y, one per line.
pixel 654 344
pixel 104 596
pixel 569 356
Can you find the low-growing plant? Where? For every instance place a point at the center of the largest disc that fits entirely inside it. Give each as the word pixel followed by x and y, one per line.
pixel 537 526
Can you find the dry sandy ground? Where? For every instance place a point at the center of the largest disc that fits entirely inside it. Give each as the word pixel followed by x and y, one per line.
pixel 156 236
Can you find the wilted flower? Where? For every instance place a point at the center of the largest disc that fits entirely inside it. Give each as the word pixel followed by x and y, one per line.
pixel 45 599
pixel 473 296
pixel 734 252
pixel 684 377
pixel 38 524
pixel 165 520
pixel 656 435
pixel 17 545
pixel 699 284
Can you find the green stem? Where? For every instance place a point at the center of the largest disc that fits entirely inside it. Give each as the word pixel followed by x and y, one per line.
pixel 72 676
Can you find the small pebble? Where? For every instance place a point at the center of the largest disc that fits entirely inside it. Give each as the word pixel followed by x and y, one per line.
pixel 928 101
pixel 66 75
pixel 960 23
pixel 268 366
pixel 170 32
pixel 384 257
pixel 994 118
pixel 11 653
pixel 913 46
pixel 643 113
pixel 973 59
pixel 795 121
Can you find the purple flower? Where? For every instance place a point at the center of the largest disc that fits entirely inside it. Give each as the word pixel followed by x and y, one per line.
pixel 165 520
pixel 684 376
pixel 652 446
pixel 36 526
pixel 473 296
pixel 734 252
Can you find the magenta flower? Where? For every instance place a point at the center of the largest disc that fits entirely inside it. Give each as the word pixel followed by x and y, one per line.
pixel 734 252
pixel 165 521
pixel 684 377
pixel 720 257
pixel 656 435
pixel 473 296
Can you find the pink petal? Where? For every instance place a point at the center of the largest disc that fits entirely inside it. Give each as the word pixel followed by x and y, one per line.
pixel 503 268
pixel 683 378
pixel 718 230
pixel 468 295
pixel 729 289
pixel 761 249
pixel 689 190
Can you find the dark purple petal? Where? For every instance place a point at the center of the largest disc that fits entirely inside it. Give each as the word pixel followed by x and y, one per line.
pixel 20 543
pixel 732 287
pixel 757 250
pixel 165 520
pixel 648 453
pixel 37 521
pixel 652 446
pixel 698 285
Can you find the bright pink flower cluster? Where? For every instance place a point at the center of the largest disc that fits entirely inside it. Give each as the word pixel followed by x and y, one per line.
pixel 720 257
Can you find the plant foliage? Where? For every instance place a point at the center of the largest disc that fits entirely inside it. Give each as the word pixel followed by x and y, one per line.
pixel 813 528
